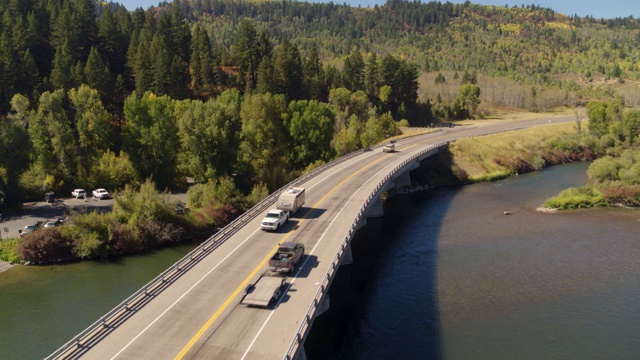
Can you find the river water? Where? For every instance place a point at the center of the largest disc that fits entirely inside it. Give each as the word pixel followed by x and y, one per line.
pixel 447 275
pixel 444 275
pixel 43 307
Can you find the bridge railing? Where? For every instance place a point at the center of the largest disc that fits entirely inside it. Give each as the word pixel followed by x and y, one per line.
pixel 96 331
pixel 307 321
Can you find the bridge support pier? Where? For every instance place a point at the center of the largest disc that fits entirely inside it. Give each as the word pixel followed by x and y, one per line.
pixel 403 180
pixel 347 256
pixel 323 306
pixel 376 209
pixel 300 354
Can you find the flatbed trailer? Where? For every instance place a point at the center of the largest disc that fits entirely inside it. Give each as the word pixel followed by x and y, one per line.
pixel 264 291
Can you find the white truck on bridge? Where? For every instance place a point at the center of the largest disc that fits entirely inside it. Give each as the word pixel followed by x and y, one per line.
pixel 274 219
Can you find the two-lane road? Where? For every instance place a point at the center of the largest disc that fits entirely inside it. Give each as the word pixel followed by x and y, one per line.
pixel 200 316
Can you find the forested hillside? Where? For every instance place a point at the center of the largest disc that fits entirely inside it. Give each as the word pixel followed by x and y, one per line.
pixel 94 95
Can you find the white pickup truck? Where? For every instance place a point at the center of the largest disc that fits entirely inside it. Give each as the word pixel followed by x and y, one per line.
pixel 79 193
pixel 274 219
pixel 100 194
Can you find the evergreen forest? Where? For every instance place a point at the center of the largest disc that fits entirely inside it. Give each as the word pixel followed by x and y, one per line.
pixel 255 93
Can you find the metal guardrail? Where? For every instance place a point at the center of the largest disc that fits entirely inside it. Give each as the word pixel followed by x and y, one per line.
pixel 306 322
pixel 82 342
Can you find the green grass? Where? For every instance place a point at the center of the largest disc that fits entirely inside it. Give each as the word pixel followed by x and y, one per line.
pixel 8 250
pixel 575 198
pixel 478 156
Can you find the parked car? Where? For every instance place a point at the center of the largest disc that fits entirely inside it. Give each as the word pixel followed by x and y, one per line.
pixel 79 193
pixel 181 207
pixel 52 223
pixel 29 228
pixel 100 194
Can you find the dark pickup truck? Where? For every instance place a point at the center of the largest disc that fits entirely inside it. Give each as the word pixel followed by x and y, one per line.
pixel 287 257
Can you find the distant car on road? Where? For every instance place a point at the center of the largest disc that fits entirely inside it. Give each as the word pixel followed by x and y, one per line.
pixel 79 193
pixel 389 148
pixel 100 194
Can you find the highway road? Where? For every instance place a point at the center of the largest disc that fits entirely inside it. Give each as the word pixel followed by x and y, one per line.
pixel 199 316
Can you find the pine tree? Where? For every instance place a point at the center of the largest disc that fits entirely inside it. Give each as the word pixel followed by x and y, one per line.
pixel 371 79
pixel 142 72
pixel 314 77
pixel 62 64
pixel 354 71
pixel 246 55
pixel 97 75
pixel 266 80
pixel 161 65
pixel 288 72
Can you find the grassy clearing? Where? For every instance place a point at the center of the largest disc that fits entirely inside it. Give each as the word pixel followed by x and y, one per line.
pixel 484 158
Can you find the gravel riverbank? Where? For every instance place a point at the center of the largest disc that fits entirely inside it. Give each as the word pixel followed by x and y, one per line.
pixel 4 266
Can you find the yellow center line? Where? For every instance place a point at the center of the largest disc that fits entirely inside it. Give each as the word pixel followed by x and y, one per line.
pixel 242 286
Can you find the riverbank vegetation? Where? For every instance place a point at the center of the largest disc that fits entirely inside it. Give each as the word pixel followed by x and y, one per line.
pixel 497 156
pixel 614 179
pixel 609 139
pixel 141 219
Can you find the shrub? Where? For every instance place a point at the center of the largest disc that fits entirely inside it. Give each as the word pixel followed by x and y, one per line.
pixel 621 193
pixel 153 233
pixel 221 215
pixel 88 246
pixel 122 240
pixel 45 245
pixel 603 169
pixel 133 205
pixel 573 198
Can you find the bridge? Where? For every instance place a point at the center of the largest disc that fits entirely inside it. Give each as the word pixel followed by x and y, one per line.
pixel 192 310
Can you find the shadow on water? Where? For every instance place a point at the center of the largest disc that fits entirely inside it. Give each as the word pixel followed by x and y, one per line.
pixel 385 304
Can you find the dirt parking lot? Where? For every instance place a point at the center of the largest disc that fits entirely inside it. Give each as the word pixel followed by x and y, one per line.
pixel 42 211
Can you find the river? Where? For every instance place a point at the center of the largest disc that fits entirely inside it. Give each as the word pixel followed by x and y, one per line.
pixel 447 275
pixel 444 275
pixel 43 307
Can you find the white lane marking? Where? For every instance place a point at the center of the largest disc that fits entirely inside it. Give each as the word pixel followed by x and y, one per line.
pixel 185 294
